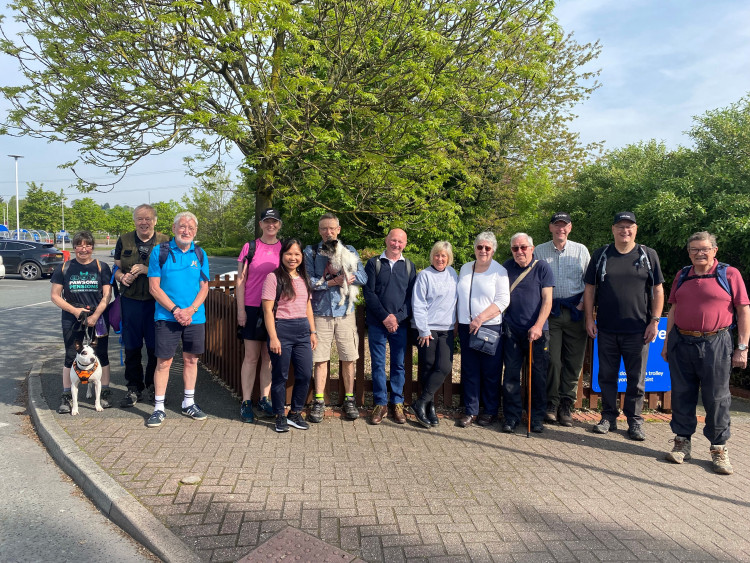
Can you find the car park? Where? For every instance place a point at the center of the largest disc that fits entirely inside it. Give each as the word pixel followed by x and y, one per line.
pixel 31 260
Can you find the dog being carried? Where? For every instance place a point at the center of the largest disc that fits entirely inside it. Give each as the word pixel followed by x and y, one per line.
pixel 341 261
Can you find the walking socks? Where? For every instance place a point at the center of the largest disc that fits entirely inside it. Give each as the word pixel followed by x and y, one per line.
pixel 319 396
pixel 188 401
pixel 349 396
pixel 158 403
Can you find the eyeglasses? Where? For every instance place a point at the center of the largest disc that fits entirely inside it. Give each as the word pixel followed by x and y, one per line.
pixel 84 246
pixel 625 227
pixel 700 250
pixel 485 248
pixel 522 248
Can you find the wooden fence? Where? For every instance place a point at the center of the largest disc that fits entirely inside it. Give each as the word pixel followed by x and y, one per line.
pixel 224 353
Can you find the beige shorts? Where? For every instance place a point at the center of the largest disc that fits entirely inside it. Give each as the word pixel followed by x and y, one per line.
pixel 344 331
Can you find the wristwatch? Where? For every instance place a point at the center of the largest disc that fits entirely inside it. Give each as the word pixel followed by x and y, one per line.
pixel 741 347
pixel 195 308
pixel 174 309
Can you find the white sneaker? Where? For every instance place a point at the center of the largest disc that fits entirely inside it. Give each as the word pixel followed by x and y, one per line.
pixel 681 450
pixel 720 460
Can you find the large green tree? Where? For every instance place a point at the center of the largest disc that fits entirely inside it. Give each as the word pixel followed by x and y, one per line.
pixel 384 112
pixel 40 209
pixel 673 192
pixel 85 214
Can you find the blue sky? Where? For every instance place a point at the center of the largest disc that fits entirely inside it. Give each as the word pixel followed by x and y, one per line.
pixel 662 63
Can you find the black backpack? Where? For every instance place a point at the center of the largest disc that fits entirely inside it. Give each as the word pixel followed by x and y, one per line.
pixel 165 250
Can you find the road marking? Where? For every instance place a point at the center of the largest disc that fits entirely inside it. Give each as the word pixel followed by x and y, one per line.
pixel 24 306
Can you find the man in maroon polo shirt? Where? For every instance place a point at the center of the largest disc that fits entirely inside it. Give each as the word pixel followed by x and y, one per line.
pixel 705 298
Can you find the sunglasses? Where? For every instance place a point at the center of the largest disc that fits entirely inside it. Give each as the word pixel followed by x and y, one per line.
pixel 522 248
pixel 482 247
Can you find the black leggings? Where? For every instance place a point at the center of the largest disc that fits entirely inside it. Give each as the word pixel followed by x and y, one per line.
pixel 436 361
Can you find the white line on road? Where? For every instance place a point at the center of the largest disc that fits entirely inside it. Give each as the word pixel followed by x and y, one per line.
pixel 24 306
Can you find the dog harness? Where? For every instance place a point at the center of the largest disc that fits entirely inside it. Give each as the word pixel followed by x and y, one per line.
pixel 84 374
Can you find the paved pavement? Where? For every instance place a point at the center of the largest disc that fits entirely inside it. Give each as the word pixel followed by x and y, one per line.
pixel 398 493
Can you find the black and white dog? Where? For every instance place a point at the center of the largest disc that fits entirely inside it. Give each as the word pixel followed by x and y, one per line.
pixel 87 370
pixel 343 261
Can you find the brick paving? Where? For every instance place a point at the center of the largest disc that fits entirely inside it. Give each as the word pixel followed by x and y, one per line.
pixel 404 493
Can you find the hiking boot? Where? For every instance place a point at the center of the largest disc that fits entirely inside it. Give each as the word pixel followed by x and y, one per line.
pixel 604 426
pixel 265 405
pixel 105 399
pixel 155 419
pixel 65 402
pixel 485 419
pixel 246 411
pixel 564 416
pixel 317 411
pixel 635 432
pixel 194 412
pixel 680 451
pixel 418 408
pixel 295 419
pixel 131 398
pixel 550 417
pixel 351 412
pixel 720 460
pixel 399 416
pixel 378 414
pixel 281 423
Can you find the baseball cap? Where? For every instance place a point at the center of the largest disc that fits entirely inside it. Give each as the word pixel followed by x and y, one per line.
pixel 560 216
pixel 624 216
pixel 270 213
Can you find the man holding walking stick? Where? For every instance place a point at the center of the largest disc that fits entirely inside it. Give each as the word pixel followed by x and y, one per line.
pixel 525 330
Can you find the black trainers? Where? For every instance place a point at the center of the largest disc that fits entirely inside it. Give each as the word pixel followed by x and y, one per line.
pixel 65 403
pixel 509 426
pixel 105 399
pixel 537 426
pixel 131 398
pixel 604 426
pixel 351 412
pixel 635 432
pixel 281 424
pixel 295 419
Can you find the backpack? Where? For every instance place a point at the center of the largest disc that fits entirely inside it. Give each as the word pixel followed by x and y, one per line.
pixel 720 274
pixel 165 251
pixel 250 252
pixel 114 309
pixel 409 265
pixel 601 271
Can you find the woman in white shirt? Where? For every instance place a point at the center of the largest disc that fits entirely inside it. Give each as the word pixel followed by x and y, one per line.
pixel 483 294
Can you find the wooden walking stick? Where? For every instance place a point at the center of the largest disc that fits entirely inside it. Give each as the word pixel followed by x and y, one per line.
pixel 528 390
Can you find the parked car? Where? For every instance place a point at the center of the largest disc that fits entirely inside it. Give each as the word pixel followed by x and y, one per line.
pixel 2 268
pixel 31 260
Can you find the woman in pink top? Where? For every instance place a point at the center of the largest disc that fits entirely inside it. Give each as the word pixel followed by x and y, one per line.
pixel 291 333
pixel 252 271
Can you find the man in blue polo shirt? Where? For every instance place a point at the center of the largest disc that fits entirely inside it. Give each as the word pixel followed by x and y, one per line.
pixel 178 280
pixel 525 326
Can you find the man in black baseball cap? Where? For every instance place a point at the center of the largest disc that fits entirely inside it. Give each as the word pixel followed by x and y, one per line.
pixel 567 329
pixel 624 282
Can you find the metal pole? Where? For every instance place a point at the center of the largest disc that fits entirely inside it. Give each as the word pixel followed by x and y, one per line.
pixel 18 221
pixel 62 206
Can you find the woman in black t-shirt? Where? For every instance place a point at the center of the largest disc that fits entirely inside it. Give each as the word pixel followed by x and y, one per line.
pixel 82 285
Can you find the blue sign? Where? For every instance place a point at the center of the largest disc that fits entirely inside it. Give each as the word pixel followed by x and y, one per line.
pixel 657 370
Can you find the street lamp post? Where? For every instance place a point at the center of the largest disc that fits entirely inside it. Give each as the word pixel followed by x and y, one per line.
pixel 62 206
pixel 18 222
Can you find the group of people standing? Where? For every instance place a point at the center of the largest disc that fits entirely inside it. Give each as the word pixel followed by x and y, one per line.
pixel 541 305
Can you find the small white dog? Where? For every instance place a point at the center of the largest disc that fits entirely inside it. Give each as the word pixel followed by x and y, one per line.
pixel 87 370
pixel 343 261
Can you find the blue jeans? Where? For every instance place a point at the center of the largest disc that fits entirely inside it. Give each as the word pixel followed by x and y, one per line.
pixel 480 374
pixel 294 335
pixel 516 354
pixel 378 336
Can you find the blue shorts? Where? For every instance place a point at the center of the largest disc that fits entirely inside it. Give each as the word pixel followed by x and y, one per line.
pixel 169 334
